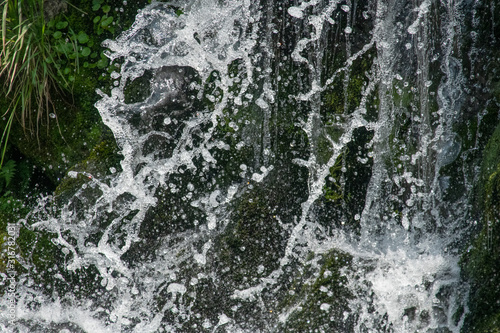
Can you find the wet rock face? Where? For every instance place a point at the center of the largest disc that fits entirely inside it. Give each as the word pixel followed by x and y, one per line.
pixel 171 86
pixel 159 103
pixel 173 93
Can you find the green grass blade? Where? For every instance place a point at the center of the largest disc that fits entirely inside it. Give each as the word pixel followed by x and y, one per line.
pixel 5 5
pixel 5 136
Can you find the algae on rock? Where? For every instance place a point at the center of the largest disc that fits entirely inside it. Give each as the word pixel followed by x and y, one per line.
pixel 481 262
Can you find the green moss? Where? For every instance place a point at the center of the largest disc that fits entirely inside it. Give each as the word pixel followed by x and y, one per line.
pixel 333 188
pixel 343 95
pixel 491 158
pixel 319 300
pixel 481 262
pixel 103 157
pixel 346 184
pixel 253 238
pixel 37 257
pixel 66 137
pixel 333 99
pixel 11 210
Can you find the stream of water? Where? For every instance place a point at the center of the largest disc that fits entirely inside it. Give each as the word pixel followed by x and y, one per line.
pixel 328 122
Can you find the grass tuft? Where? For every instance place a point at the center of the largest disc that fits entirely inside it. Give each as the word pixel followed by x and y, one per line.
pixel 26 68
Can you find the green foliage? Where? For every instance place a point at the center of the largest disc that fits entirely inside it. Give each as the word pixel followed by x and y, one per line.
pixel 75 48
pixel 26 71
pixel 7 172
pixel 9 207
pixel 43 57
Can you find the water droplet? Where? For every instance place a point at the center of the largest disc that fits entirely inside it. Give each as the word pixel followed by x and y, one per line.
pixel 295 12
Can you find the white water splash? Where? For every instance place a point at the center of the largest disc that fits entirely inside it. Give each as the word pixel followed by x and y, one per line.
pixel 403 282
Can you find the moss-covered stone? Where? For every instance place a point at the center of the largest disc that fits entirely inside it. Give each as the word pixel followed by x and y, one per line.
pixel 254 238
pixel 318 299
pixel 70 136
pixel 103 160
pixel 481 262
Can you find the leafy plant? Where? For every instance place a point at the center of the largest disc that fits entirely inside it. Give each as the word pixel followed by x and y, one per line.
pixel 104 22
pixel 7 172
pixel 27 73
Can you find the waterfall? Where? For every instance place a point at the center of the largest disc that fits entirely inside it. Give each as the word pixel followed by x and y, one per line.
pixel 283 169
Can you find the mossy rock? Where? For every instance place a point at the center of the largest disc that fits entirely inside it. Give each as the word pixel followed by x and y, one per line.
pixel 481 262
pixel 491 159
pixel 103 160
pixel 254 237
pixel 319 299
pixel 41 261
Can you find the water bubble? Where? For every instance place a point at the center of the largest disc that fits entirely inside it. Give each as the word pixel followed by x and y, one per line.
pixel 52 115
pixel 348 30
pixel 345 8
pixel 207 324
pixel 325 307
pixel 448 149
pixel 295 12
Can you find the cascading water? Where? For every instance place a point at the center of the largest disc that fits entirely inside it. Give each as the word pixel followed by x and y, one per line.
pixel 282 171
